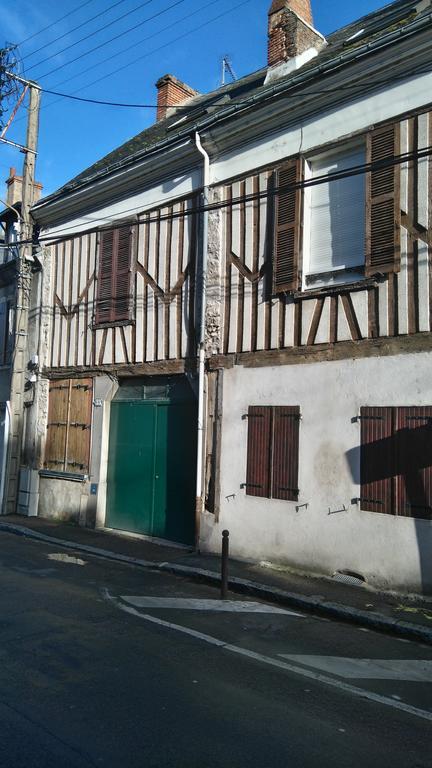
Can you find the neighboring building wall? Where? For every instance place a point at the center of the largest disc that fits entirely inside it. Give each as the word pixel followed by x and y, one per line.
pixel 325 530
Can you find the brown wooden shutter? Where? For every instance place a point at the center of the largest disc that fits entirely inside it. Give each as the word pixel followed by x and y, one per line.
pixel 287 228
pixel 122 274
pixel 383 213
pixel 105 276
pixel 55 446
pixel 377 460
pixel 114 275
pixel 413 439
pixel 79 427
pixel 286 421
pixel 259 451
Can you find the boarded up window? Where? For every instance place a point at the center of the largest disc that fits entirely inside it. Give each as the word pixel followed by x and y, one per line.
pixel 114 292
pixel 383 201
pixel 287 227
pixel 67 446
pixel 272 452
pixel 396 461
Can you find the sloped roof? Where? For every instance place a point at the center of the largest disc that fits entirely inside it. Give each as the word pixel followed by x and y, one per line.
pixel 363 31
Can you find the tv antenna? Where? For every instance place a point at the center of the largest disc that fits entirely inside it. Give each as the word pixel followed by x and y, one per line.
pixel 227 68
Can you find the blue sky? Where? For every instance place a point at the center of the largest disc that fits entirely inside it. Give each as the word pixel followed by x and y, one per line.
pixel 73 135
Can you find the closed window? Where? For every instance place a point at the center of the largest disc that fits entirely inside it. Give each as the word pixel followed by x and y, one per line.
pixel 396 461
pixel 67 447
pixel 335 220
pixel 114 284
pixel 272 452
pixel 333 225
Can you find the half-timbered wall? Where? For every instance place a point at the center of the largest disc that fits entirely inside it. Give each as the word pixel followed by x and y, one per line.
pixel 400 303
pixel 163 277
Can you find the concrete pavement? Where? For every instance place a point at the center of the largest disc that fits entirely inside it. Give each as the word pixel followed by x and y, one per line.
pixel 408 616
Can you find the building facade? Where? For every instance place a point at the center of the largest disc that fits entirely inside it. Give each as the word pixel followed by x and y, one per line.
pixel 238 312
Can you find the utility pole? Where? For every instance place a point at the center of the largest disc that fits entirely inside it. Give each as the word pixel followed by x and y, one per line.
pixel 24 275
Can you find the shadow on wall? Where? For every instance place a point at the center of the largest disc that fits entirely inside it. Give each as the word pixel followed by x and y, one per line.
pixel 395 477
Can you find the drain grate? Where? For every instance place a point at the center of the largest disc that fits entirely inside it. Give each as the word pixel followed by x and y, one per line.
pixel 350 578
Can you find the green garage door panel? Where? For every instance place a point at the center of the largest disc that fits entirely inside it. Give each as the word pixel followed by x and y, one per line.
pixel 174 507
pixel 151 469
pixel 131 467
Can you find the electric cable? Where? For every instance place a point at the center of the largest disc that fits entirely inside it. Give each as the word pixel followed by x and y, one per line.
pixel 53 23
pixel 269 192
pixel 71 31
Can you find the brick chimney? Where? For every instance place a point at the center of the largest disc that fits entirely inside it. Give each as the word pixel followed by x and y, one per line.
pixel 290 30
pixel 14 188
pixel 171 92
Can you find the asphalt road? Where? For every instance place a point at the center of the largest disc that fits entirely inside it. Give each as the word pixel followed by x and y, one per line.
pixel 107 665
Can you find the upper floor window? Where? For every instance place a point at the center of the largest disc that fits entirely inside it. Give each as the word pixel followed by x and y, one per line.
pixel 343 225
pixel 334 220
pixel 114 283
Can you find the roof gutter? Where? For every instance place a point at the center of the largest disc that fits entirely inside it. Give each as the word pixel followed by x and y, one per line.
pixel 278 89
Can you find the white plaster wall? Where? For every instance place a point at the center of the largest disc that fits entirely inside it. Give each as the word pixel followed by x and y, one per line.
pixel 62 499
pixel 388 551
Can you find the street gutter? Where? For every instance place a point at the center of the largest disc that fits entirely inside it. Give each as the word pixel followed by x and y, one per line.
pixel 327 609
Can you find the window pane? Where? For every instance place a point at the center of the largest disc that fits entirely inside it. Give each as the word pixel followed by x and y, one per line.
pixel 337 215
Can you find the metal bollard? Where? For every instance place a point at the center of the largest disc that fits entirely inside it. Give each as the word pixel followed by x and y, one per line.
pixel 224 565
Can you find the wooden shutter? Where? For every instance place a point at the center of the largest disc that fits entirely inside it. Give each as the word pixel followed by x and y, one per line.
pixel 114 275
pixel 105 277
pixel 55 446
pixel 287 228
pixel 259 451
pixel 67 447
pixel 377 460
pixel 79 426
pixel 413 439
pixel 383 214
pixel 122 274
pixel 286 421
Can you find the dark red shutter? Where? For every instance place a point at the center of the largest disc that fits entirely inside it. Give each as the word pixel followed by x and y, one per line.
pixel 377 460
pixel 105 277
pixel 383 214
pixel 287 216
pixel 114 275
pixel 122 275
pixel 286 421
pixel 259 451
pixel 413 439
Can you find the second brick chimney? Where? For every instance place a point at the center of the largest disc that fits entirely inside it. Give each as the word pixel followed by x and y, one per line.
pixel 171 92
pixel 290 30
pixel 14 189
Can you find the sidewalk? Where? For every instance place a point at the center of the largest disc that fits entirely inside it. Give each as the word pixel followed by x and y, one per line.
pixel 406 616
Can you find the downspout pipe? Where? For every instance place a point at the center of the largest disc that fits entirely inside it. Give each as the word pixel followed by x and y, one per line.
pixel 199 500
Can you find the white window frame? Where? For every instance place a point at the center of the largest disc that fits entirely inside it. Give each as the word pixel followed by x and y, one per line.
pixel 338 275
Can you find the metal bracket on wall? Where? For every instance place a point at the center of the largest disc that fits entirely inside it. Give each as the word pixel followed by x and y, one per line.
pixel 301 506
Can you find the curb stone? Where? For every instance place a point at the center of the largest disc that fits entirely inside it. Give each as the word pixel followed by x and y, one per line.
pixel 238 585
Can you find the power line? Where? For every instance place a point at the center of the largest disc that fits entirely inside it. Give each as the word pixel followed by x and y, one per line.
pixel 53 23
pixel 209 102
pixel 135 45
pixel 270 192
pixel 70 32
pixel 87 37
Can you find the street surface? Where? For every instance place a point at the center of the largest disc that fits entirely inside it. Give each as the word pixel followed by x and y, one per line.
pixel 108 665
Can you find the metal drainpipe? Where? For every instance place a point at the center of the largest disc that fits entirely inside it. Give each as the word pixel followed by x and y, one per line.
pixel 199 502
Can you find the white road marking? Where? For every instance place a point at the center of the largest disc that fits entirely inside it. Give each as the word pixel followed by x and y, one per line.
pixel 317 676
pixel 192 604
pixel 415 670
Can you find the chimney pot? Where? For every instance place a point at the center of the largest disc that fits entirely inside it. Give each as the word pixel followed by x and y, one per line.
pixel 290 30
pixel 171 92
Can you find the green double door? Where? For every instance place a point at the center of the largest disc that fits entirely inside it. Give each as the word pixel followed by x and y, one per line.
pixel 151 469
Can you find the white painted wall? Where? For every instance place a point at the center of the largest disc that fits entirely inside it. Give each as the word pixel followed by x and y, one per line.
pixel 388 551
